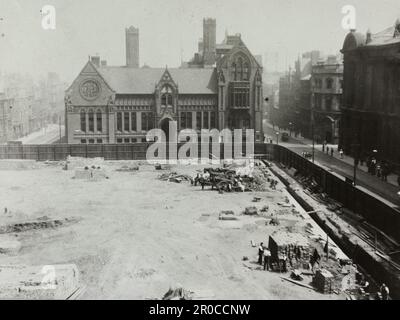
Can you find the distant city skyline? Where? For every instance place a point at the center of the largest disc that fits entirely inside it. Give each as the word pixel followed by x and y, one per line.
pixel 169 31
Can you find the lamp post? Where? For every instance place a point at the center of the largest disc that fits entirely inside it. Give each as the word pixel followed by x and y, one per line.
pixel 59 126
pixel 356 160
pixel 277 138
pixel 312 126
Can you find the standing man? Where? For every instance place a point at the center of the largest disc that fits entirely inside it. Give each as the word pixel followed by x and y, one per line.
pixel 267 258
pixel 384 292
pixel 341 153
pixel 331 152
pixel 260 253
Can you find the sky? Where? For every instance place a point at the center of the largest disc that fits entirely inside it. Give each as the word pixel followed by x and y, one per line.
pixel 170 29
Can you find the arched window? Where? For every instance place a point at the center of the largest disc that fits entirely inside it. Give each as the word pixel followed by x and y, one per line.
pixel 83 121
pixel 246 71
pixel 233 71
pixel 240 68
pixel 99 120
pixel 166 96
pixel 91 121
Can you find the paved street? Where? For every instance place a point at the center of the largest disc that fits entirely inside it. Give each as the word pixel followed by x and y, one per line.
pixel 47 135
pixel 387 190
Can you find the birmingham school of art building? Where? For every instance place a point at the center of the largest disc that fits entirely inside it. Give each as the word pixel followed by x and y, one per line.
pixel 221 87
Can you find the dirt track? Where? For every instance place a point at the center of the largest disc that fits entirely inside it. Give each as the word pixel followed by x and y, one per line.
pixel 136 236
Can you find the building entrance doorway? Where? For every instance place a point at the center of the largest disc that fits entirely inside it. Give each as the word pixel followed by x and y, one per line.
pixel 164 125
pixel 239 119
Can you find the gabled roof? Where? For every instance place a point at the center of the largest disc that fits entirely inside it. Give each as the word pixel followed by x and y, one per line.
pixel 125 80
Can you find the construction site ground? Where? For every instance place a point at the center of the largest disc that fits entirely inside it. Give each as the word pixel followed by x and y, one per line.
pixel 133 236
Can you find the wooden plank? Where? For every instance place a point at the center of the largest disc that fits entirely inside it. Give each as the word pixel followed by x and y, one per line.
pixel 77 293
pixel 298 283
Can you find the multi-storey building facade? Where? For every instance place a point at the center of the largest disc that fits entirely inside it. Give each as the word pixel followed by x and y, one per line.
pixel 371 105
pixel 326 94
pixel 28 106
pixel 106 104
pixel 5 118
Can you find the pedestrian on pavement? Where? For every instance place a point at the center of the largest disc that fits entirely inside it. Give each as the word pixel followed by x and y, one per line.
pixel 373 166
pixel 260 253
pixel 384 290
pixel 385 171
pixel 267 258
pixel 378 170
pixel 323 147
pixel 327 150
pixel 341 153
pixel 331 152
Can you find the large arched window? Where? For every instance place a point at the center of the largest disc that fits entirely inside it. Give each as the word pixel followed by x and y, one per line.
pixel 240 69
pixel 166 96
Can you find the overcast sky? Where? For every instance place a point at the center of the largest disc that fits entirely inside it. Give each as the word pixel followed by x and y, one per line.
pixel 170 29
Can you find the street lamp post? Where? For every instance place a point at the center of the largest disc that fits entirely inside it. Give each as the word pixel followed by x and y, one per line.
pixel 356 156
pixel 312 126
pixel 59 126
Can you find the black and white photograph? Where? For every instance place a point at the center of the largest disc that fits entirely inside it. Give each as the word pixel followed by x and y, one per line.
pixel 201 150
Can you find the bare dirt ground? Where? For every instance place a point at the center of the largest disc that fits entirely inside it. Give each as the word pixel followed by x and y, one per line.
pixel 133 236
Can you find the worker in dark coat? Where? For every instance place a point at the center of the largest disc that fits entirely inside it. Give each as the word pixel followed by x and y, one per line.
pixel 260 253
pixel 384 292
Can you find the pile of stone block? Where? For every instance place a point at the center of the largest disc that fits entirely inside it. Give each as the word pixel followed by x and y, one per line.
pixel 323 281
pixel 294 246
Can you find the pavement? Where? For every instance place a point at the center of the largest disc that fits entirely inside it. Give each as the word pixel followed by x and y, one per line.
pixel 345 167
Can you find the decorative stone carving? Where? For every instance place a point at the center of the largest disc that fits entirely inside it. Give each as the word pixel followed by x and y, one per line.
pixel 90 89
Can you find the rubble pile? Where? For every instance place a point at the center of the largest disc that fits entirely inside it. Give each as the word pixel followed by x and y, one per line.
pixel 178 293
pixel 34 225
pixel 234 179
pixel 9 245
pixel 38 282
pixel 126 168
pixel 73 163
pixel 175 177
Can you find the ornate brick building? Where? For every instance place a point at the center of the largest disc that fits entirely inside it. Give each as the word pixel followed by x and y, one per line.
pixel 371 104
pixel 106 104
